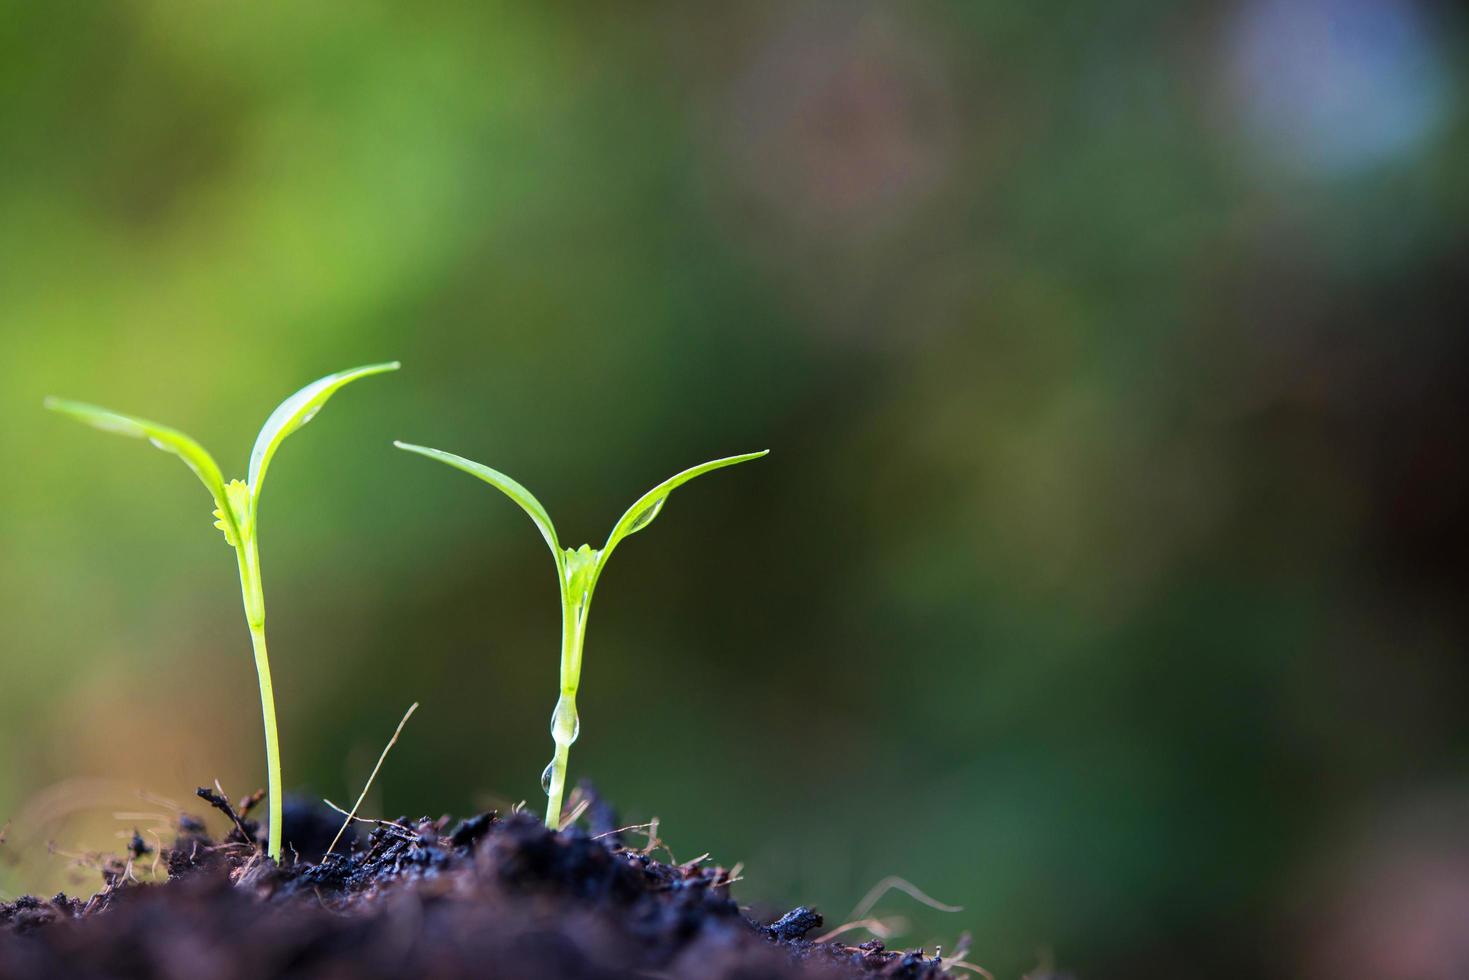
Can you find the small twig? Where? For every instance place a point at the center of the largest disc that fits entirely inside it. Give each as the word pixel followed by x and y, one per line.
pixel 652 829
pixel 363 795
pixel 876 926
pixel 250 802
pixel 965 965
pixel 377 823
pixel 903 885
pixel 157 852
pixel 622 830
pixel 733 874
pixel 572 801
pixel 575 814
pixel 216 798
pixel 655 842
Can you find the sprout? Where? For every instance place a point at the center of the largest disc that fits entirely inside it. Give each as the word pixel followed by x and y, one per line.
pixel 577 571
pixel 237 505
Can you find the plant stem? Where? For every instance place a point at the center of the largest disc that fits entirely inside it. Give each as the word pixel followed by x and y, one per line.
pixel 254 597
pixel 558 786
pixel 565 724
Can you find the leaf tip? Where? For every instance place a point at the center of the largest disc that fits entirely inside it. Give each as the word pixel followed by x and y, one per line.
pixel 77 410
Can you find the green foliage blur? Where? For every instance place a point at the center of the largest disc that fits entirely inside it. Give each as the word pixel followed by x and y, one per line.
pixel 1106 577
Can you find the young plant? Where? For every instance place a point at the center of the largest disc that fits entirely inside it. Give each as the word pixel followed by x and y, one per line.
pixel 237 506
pixel 577 571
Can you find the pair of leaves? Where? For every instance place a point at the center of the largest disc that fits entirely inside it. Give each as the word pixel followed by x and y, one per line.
pixel 572 565
pixel 236 503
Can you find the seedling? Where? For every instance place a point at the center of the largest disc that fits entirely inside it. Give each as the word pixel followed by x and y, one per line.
pixel 237 506
pixel 577 571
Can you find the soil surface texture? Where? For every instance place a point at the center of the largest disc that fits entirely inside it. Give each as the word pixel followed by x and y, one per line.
pixel 489 897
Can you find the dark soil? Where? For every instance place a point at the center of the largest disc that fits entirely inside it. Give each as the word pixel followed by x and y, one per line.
pixel 490 897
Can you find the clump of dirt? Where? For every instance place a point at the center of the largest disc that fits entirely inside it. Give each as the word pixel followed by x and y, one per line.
pixel 489 897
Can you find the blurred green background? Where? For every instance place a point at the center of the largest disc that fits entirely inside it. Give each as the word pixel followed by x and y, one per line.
pixel 1107 574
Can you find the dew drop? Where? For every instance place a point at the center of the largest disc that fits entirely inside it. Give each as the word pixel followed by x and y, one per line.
pixel 546 777
pixel 646 516
pixel 565 722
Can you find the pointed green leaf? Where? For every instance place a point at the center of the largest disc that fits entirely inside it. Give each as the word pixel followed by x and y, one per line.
pixel 295 412
pixel 505 485
pixel 650 504
pixel 169 440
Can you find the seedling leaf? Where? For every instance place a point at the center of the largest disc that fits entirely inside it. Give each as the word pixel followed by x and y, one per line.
pixel 505 485
pixel 295 412
pixel 169 440
pixel 650 504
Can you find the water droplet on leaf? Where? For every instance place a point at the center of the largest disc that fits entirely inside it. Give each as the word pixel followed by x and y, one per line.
pixel 646 516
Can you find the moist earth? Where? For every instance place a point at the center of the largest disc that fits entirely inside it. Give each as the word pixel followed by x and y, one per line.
pixel 489 897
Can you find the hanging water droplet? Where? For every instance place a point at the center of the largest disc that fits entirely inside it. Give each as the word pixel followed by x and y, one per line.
pixel 546 777
pixel 565 722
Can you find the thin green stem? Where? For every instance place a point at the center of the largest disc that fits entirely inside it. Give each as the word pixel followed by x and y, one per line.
pixel 565 724
pixel 254 597
pixel 557 787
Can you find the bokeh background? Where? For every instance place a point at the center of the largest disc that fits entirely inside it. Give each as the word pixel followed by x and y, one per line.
pixel 1107 576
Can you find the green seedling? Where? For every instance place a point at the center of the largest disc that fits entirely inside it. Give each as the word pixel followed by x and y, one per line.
pixel 577 571
pixel 237 506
